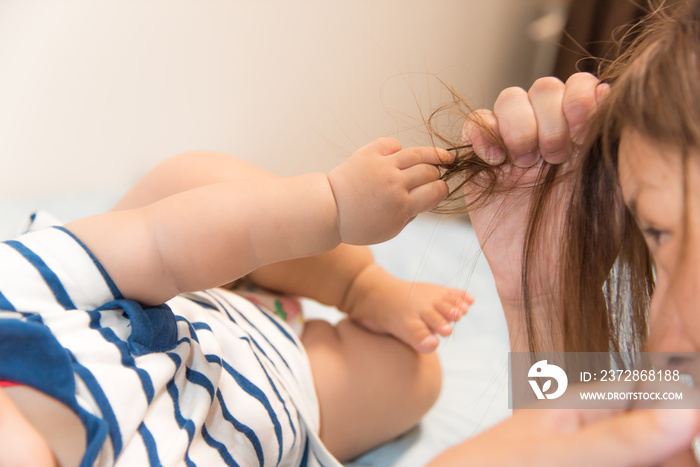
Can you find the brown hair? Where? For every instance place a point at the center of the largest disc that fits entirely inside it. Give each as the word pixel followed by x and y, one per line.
pixel 606 275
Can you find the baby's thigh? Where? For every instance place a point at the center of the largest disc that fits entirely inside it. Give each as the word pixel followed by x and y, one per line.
pixel 371 388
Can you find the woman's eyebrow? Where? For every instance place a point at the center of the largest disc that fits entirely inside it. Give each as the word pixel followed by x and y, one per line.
pixel 638 188
pixel 632 200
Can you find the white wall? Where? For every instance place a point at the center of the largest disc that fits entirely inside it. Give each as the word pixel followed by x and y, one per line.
pixel 94 92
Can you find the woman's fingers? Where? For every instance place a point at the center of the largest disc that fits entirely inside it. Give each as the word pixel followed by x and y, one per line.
pixel 540 122
pixel 546 96
pixel 582 93
pixel 517 126
pixel 481 131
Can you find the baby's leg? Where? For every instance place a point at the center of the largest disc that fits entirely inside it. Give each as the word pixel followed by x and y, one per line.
pixel 371 388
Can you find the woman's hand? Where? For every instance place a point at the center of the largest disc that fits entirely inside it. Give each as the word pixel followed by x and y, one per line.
pixel 578 437
pixel 537 127
pixel 573 432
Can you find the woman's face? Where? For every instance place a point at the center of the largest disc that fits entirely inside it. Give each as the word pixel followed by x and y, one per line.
pixel 653 182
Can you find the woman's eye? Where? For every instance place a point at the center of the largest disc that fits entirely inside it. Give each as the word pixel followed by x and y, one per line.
pixel 655 236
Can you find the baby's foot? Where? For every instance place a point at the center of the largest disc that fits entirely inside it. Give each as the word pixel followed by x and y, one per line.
pixel 411 312
pixel 437 308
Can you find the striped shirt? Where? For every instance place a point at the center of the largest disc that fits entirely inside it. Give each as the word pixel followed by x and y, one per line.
pixel 206 379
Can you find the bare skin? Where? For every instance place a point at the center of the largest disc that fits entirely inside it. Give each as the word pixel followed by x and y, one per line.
pixel 21 443
pixel 345 277
pixel 360 376
pixel 291 235
pixel 537 127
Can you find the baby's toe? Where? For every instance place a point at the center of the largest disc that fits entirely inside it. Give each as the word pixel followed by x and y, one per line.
pixel 449 311
pixel 437 322
pixel 455 304
pixel 428 344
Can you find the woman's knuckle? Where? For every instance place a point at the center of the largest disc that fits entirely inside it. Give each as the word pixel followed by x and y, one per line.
pixel 546 84
pixel 512 92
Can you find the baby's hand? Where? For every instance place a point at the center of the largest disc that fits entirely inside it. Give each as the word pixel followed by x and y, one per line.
pixel 381 188
pixel 411 312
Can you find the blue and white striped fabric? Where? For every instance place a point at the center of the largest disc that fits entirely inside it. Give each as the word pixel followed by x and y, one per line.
pixel 206 379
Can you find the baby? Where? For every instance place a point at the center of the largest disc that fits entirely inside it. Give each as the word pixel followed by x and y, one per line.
pixel 118 346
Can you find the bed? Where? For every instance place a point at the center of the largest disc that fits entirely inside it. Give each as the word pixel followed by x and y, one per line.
pixel 432 248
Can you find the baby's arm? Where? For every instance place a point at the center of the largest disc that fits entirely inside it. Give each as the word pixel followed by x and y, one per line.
pixel 214 234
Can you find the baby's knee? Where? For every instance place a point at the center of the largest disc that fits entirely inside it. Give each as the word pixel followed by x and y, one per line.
pixel 412 379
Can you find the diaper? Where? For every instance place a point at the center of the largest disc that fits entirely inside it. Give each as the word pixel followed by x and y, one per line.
pixel 285 307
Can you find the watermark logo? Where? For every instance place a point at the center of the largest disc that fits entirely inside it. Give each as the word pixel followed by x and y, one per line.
pixel 576 380
pixel 542 369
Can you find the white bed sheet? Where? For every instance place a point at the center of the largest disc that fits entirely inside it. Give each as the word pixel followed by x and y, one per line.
pixel 435 249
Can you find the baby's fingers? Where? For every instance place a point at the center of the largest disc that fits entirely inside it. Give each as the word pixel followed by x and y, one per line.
pixel 420 175
pixel 422 155
pixel 426 197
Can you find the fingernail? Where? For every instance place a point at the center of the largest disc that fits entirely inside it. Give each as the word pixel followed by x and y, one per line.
pixel 445 330
pixel 555 157
pixel 495 155
pixel 601 91
pixel 528 160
